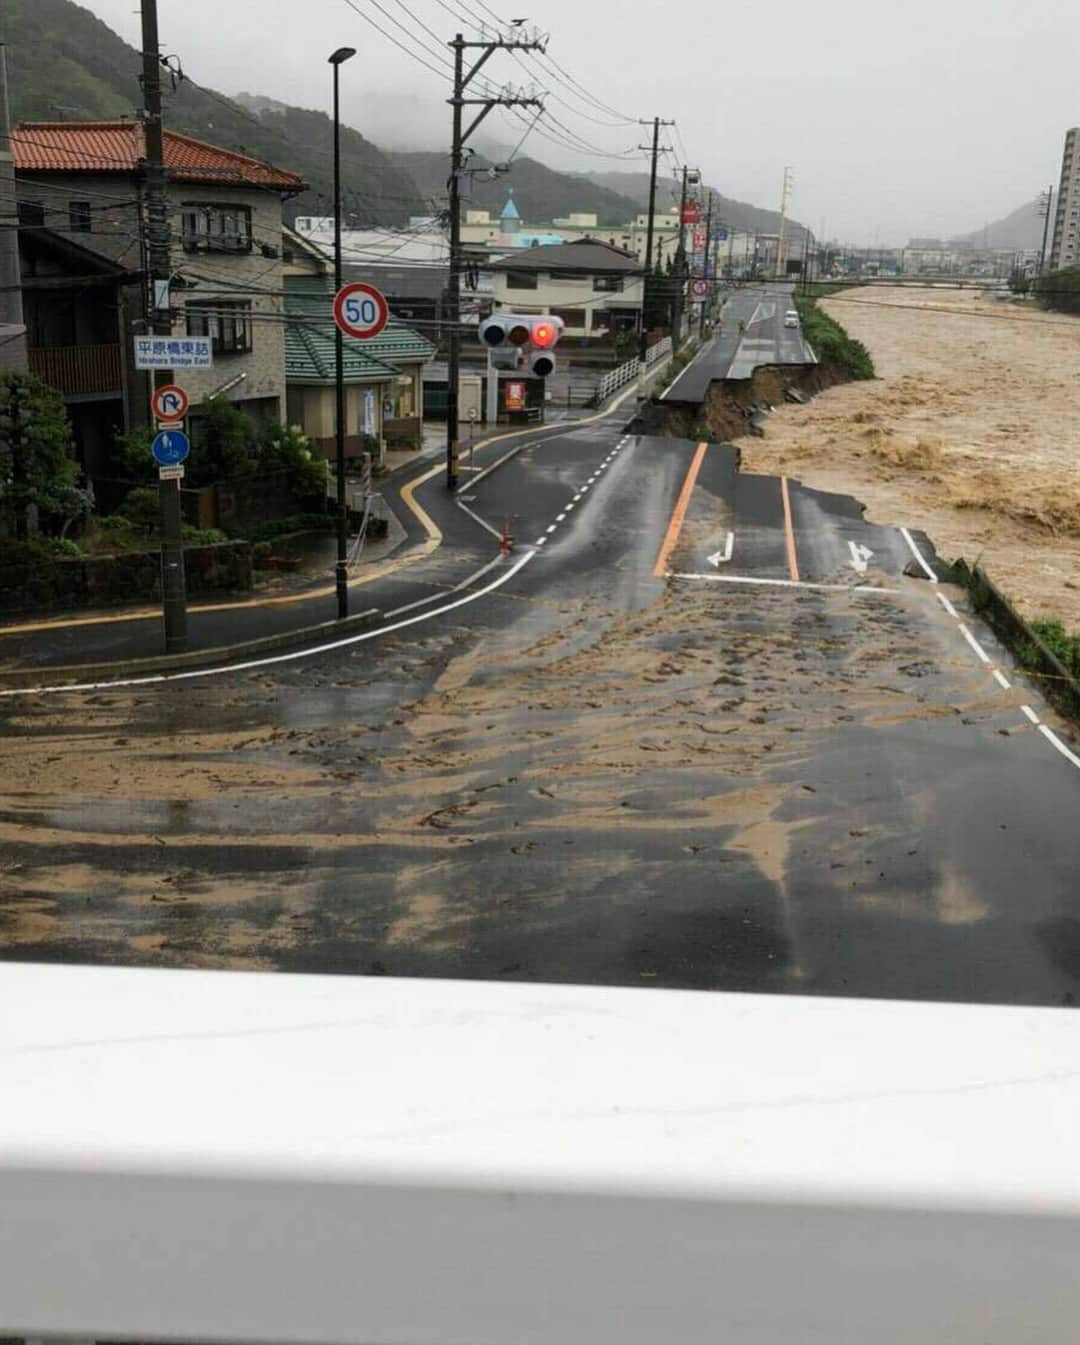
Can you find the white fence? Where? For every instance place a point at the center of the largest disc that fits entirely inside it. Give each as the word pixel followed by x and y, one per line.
pixel 194 1156
pixel 626 373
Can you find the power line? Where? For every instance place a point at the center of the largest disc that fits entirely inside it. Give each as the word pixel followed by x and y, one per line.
pixel 390 38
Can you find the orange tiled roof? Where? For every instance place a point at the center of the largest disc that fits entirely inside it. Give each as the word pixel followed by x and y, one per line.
pixel 119 147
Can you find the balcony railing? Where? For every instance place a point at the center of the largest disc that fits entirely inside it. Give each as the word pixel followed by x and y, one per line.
pixel 76 370
pixel 194 1156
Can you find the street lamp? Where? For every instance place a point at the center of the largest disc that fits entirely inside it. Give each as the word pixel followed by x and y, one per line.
pixel 341 570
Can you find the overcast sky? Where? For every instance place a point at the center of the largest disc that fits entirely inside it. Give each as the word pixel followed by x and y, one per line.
pixel 931 117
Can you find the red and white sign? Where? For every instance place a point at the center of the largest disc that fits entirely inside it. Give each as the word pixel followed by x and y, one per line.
pixel 360 310
pixel 699 288
pixel 515 396
pixel 691 213
pixel 169 403
pixel 699 240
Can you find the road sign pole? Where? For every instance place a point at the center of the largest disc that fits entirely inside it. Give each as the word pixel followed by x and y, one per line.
pixel 173 587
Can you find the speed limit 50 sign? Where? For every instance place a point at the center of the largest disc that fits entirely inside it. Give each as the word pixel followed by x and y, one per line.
pixel 360 310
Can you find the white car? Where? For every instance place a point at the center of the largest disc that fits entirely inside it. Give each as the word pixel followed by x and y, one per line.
pixel 791 318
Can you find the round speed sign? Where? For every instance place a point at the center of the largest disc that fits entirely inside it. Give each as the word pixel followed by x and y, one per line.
pixel 360 310
pixel 699 288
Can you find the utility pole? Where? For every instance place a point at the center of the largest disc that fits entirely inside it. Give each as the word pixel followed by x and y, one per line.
pixel 11 306
pixel 643 335
pixel 705 269
pixel 1046 201
pixel 159 269
pixel 517 41
pixel 784 194
pixel 688 175
pixel 341 568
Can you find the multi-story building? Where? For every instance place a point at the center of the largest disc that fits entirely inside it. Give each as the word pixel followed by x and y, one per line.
pixel 1063 250
pixel 595 288
pixel 84 181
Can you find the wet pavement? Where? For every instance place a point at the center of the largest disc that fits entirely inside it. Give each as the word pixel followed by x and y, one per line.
pixel 646 754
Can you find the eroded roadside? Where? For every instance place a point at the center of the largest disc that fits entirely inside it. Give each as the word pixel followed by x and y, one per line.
pixel 970 428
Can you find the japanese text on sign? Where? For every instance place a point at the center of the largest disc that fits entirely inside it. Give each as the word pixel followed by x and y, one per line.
pixel 167 352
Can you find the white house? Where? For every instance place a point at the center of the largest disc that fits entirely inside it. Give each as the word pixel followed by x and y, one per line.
pixel 595 288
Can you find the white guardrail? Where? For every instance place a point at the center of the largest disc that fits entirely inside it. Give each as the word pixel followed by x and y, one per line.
pixel 626 373
pixel 212 1156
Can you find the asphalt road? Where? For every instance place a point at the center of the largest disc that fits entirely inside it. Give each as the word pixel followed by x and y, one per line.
pixel 700 729
pixel 752 334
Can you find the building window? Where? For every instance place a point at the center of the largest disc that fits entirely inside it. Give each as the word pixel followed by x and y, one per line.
pixel 521 280
pixel 228 323
pixel 572 317
pixel 79 217
pixel 216 228
pixel 610 284
pixel 31 214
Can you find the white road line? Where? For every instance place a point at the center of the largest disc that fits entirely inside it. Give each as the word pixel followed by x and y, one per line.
pixel 1052 736
pixel 584 488
pixel 559 517
pixel 551 528
pixel 434 597
pixel 161 678
pixel 540 541
pixel 1001 679
pixel 570 506
pixel 779 583
pixel 475 481
pixel 477 519
pixel 974 643
pixel 1030 713
pixel 948 605
pixel 919 555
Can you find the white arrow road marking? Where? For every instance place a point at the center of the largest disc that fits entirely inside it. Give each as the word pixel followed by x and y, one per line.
pixel 718 557
pixel 861 556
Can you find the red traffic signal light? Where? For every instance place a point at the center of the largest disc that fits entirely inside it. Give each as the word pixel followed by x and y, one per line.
pixel 544 335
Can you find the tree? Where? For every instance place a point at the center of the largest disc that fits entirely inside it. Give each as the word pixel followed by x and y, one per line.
pixel 37 453
pixel 226 446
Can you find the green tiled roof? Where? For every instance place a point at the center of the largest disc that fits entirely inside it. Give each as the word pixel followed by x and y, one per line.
pixel 309 354
pixel 309 343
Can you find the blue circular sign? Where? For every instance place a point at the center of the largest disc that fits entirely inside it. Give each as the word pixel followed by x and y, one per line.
pixel 170 447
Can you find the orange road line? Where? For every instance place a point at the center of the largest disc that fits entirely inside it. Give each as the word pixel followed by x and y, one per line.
pixel 679 514
pixel 789 532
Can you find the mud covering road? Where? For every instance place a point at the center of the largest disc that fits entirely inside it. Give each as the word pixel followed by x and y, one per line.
pixel 594 773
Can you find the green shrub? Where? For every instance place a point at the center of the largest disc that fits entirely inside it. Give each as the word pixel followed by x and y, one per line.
pixel 831 343
pixel 37 453
pixel 114 530
pixel 279 527
pixel 61 546
pixel 1059 290
pixel 130 458
pixel 192 536
pixel 260 554
pixel 1060 642
pixel 142 509
pixel 285 449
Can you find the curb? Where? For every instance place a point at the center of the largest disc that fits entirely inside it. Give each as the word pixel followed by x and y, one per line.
pixel 58 675
pixel 1054 680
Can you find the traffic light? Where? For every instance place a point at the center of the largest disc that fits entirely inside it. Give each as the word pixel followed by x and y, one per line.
pixel 519 339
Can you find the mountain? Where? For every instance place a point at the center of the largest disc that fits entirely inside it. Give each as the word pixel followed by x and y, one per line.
pixel 64 64
pixel 751 218
pixel 540 193
pixel 1022 231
